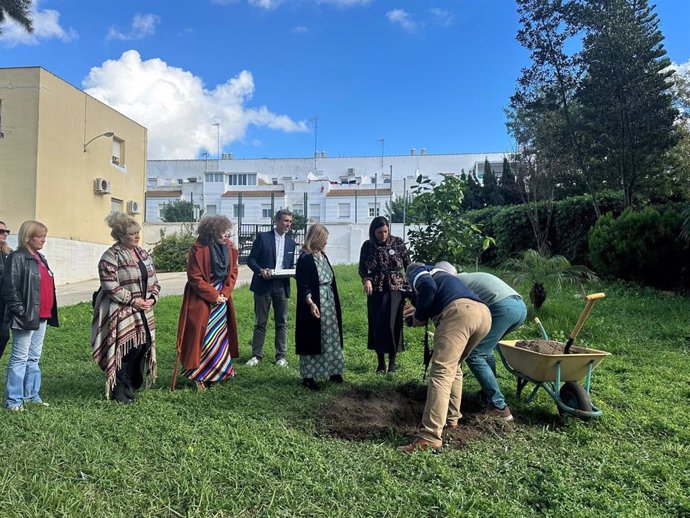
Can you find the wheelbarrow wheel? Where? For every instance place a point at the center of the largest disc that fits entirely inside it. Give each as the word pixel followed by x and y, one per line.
pixel 575 396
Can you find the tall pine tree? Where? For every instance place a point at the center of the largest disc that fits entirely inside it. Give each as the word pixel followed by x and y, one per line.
pixel 490 189
pixel 626 93
pixel 508 186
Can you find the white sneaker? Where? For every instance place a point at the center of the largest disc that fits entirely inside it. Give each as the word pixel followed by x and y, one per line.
pixel 282 363
pixel 252 361
pixel 19 408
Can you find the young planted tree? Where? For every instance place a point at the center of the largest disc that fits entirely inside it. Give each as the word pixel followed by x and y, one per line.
pixel 443 234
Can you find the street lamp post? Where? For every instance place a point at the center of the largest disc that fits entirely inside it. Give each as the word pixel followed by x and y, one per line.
pixel 108 134
pixel 217 125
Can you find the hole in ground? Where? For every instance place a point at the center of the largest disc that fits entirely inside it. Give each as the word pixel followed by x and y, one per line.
pixel 367 413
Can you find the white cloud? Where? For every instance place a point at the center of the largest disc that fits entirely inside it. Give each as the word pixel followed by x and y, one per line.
pixel 682 68
pixel 345 3
pixel 402 18
pixel 176 108
pixel 300 29
pixel 273 4
pixel 265 4
pixel 143 25
pixel 46 26
pixel 441 17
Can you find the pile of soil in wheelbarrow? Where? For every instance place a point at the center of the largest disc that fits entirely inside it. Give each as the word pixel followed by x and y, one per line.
pixel 546 347
pixel 383 413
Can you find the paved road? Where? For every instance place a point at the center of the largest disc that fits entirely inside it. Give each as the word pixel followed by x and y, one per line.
pixel 171 284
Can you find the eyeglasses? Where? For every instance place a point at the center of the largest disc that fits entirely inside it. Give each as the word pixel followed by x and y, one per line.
pixel 4 231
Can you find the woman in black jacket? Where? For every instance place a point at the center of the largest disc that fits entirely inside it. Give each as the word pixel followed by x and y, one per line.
pixel 4 252
pixel 319 325
pixel 29 293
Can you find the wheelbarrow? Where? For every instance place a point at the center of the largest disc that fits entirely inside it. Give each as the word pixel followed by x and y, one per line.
pixel 557 374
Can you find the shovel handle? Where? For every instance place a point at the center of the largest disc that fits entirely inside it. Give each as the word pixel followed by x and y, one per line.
pixel 541 328
pixel 591 299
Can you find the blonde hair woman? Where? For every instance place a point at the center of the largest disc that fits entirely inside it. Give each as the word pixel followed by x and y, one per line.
pixel 4 252
pixel 123 333
pixel 318 327
pixel 28 290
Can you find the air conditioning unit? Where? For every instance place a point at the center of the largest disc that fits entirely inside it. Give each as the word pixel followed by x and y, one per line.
pixel 133 207
pixel 101 186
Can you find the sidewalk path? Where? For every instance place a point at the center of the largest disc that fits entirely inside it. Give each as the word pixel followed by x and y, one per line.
pixel 171 284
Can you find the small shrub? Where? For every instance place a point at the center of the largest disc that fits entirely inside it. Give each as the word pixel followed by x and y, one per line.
pixel 642 246
pixel 170 253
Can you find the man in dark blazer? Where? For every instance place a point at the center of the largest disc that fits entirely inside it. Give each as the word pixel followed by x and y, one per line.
pixel 271 250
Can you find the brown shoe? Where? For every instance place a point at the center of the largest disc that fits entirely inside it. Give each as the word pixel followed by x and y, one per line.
pixel 501 413
pixel 420 444
pixel 452 426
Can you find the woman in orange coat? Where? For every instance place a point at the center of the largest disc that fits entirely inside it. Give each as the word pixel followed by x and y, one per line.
pixel 207 331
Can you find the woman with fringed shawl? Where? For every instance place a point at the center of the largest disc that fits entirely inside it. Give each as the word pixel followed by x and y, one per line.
pixel 123 334
pixel 207 330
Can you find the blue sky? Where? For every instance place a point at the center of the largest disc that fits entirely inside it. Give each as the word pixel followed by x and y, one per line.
pixel 416 73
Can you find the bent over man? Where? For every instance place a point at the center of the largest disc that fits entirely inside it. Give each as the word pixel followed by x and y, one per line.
pixel 461 321
pixel 508 311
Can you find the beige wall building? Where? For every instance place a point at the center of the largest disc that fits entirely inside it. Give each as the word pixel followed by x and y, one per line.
pixel 66 160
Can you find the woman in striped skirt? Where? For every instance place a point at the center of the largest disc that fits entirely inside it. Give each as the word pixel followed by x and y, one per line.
pixel 207 330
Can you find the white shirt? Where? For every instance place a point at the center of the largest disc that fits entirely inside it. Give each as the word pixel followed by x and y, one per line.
pixel 280 249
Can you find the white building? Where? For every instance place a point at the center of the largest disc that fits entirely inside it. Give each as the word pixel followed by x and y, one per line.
pixel 330 190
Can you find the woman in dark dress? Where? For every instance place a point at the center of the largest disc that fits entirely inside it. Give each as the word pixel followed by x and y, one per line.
pixel 382 262
pixel 319 324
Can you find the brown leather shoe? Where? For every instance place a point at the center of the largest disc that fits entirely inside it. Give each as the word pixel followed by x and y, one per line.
pixel 501 413
pixel 452 426
pixel 420 444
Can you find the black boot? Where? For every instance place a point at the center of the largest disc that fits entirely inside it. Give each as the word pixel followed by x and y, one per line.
pixel 118 394
pixel 391 363
pixel 310 383
pixel 133 365
pixel 336 378
pixel 381 368
pixel 122 386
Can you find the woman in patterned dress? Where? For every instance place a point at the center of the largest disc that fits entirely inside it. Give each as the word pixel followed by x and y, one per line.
pixel 207 330
pixel 318 327
pixel 382 262
pixel 123 332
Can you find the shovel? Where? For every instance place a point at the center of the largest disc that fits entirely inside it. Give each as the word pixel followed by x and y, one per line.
pixel 591 299
pixel 541 328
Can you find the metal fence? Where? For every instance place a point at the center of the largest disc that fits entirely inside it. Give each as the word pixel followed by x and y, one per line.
pixel 247 232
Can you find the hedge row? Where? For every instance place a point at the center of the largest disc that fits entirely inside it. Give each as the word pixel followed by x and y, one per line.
pixel 567 234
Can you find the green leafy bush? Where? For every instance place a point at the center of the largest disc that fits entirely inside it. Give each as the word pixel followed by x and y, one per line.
pixel 170 253
pixel 445 233
pixel 642 246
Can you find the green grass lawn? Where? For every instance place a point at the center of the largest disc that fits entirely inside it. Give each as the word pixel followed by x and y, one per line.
pixel 251 447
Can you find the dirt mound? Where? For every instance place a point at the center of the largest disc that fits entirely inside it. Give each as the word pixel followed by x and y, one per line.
pixel 383 413
pixel 546 347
